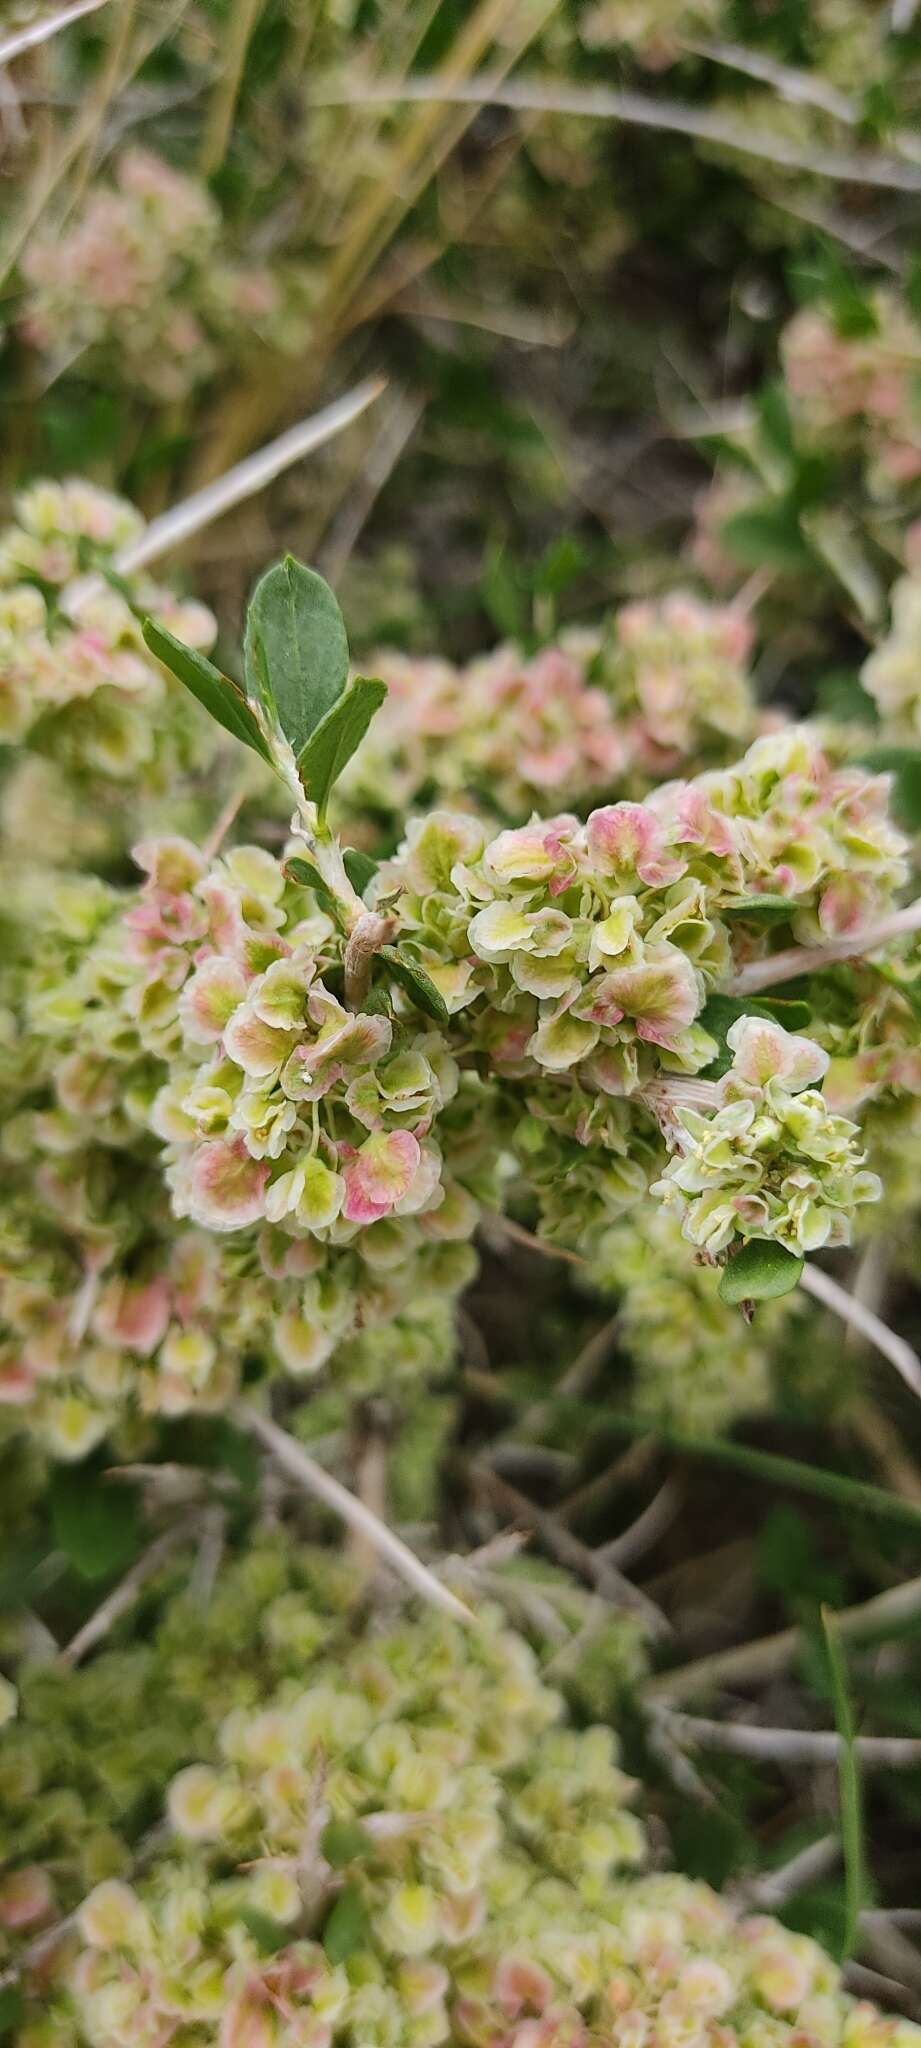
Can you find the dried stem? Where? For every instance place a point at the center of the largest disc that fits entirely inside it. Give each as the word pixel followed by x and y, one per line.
pixel 123 1596
pixel 311 1476
pixel 899 1353
pixel 796 960
pixel 219 121
pixel 752 1663
pixel 792 1745
pixel 567 1550
pixel 42 31
pixel 247 477
pixel 370 932
pixel 636 110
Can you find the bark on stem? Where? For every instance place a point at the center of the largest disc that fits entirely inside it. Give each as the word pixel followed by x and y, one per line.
pixel 785 966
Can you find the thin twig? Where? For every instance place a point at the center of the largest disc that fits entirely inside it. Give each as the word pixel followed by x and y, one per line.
pixel 247 477
pixel 796 960
pixel 42 31
pixel 311 1476
pixel 647 1528
pixel 567 1549
pixel 792 1745
pixel 899 1353
pixel 396 431
pixel 771 1890
pixel 751 1663
pixel 123 1596
pixel 635 110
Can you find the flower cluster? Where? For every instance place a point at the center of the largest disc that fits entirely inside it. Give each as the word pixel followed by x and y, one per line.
pixel 892 673
pixel 860 386
pixel 117 1303
pixel 409 1847
pixel 141 282
pixel 657 688
pixel 773 1161
pixel 696 1365
pixel 78 687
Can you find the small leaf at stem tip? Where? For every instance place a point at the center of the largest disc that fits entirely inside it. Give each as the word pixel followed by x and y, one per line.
pixel 219 695
pixel 347 1926
pixel 761 909
pixel 333 742
pixel 95 1524
pixel 359 867
pixel 418 985
pixel 761 1271
pixel 309 877
pixel 296 653
pixel 343 1840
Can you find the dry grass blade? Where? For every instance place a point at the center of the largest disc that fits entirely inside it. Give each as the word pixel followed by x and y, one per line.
pixel 638 110
pixel 823 1288
pixel 42 31
pixel 776 968
pixel 247 477
pixel 752 1663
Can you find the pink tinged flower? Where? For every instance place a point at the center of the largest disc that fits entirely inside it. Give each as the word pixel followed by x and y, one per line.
pixel 698 823
pixel 521 1985
pixel 26 1896
pixel 764 1052
pixel 561 1041
pixel 380 1175
pixel 17 1380
pixel 134 1314
pixel 661 995
pixel 209 999
pixel 257 1047
pixel 248 2020
pixel 627 839
pixel 225 1187
pixel 173 865
pixel 302 1345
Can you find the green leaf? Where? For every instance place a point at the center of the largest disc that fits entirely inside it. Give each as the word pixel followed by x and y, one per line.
pixel 721 1012
pixel 503 595
pixel 417 984
pixel 95 1523
pixel 296 653
pixel 223 698
pixel 359 867
pixel 309 877
pixel 11 2010
pixel 759 1272
pixel 849 1786
pixel 774 419
pixel 767 536
pixel 268 1934
pixel 333 742
pixel 343 1840
pixel 761 909
pixel 559 565
pixel 347 1927
pixel 904 765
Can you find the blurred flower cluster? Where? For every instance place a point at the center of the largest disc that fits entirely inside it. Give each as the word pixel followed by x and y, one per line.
pixel 91 710
pixel 408 1846
pixel 141 280
pixel 658 689
pixel 696 1365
